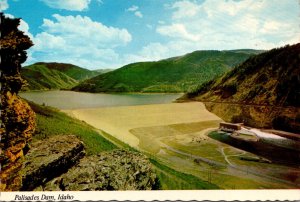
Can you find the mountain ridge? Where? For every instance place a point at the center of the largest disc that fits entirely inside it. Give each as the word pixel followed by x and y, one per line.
pixel 261 92
pixel 53 75
pixel 176 74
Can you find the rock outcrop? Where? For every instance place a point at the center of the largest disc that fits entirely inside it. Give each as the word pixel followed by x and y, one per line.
pixel 50 158
pixel 17 118
pixel 113 170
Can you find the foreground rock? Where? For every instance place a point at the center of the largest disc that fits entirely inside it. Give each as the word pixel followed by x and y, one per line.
pixel 17 118
pixel 115 170
pixel 50 158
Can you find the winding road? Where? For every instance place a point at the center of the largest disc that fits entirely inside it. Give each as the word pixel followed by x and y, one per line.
pixel 229 165
pixel 226 156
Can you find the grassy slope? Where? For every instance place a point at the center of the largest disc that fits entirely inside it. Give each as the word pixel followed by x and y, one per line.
pixel 171 75
pixel 51 121
pixel 72 71
pixel 40 77
pixel 269 79
pixel 173 180
pixel 44 76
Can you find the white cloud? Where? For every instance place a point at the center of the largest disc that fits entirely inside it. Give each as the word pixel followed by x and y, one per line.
pixel 3 5
pixel 135 10
pixel 184 9
pixel 9 15
pixel 272 26
pixel 193 25
pixel 25 28
pixel 46 42
pixel 138 14
pixel 76 28
pixel 72 5
pixel 79 40
pixel 151 52
pixel 157 51
pixel 215 24
pixel 177 31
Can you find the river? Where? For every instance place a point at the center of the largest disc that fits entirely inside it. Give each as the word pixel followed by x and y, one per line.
pixel 79 100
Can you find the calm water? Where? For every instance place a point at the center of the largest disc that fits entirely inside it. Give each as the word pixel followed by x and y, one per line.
pixel 76 100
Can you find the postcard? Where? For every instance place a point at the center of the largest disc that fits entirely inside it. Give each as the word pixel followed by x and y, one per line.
pixel 191 100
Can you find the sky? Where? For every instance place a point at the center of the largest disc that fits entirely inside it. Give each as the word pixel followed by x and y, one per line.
pixel 100 34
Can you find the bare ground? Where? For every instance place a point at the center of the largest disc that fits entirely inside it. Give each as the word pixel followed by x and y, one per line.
pixel 118 121
pixel 177 134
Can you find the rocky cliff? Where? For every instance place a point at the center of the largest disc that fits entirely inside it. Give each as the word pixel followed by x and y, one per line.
pixel 17 118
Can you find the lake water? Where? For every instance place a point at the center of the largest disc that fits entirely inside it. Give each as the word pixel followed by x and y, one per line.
pixel 78 100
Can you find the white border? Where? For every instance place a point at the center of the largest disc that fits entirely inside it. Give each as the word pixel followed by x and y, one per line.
pixel 211 195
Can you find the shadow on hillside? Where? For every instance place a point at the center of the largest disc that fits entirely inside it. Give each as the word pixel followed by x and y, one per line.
pixel 274 153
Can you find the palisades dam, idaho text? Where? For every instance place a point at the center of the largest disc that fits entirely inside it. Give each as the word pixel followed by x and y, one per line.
pixel 43 197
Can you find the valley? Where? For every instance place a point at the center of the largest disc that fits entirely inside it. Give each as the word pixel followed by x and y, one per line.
pixel 182 136
pixel 150 95
pixel 183 139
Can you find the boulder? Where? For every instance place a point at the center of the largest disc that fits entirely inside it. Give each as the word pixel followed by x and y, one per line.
pixel 50 158
pixel 114 170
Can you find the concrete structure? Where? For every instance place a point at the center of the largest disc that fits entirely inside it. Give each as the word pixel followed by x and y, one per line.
pixel 245 135
pixel 230 127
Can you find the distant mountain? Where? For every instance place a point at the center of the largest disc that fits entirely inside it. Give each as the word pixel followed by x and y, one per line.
pixel 43 76
pixel 263 91
pixel 176 74
pixel 73 71
pixel 103 71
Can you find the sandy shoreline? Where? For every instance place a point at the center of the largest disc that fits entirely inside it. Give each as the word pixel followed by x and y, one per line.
pixel 117 121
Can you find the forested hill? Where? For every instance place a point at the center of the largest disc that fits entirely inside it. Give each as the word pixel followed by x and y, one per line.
pixel 263 91
pixel 44 76
pixel 270 78
pixel 176 74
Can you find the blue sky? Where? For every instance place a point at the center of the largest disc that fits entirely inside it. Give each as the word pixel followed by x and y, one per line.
pixel 98 34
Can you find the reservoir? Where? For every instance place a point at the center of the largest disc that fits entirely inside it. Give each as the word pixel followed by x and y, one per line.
pixel 79 100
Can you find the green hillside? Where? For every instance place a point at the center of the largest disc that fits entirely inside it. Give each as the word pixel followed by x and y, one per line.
pixel 264 91
pixel 39 77
pixel 45 76
pixel 176 74
pixel 70 70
